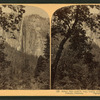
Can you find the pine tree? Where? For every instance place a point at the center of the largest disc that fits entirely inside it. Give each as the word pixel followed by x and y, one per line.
pixel 42 68
pixel 47 47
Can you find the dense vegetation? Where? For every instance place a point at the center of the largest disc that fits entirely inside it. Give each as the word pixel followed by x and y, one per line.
pixel 74 55
pixel 42 71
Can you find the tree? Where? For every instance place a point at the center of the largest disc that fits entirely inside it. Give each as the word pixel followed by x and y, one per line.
pixel 47 47
pixel 42 68
pixel 69 23
pixel 3 65
pixel 9 22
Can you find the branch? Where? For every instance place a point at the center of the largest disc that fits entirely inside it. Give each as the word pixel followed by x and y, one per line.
pixel 76 18
pixel 70 30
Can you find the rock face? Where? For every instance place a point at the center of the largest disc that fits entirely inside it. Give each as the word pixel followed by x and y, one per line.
pixel 34 31
pixel 32 36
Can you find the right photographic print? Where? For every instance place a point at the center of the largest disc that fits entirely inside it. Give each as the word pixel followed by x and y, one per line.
pixel 75 48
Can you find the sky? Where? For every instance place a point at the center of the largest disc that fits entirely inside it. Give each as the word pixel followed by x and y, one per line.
pixel 35 10
pixel 95 11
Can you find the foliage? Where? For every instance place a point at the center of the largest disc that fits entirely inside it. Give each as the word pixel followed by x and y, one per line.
pixel 9 21
pixel 42 68
pixel 17 68
pixel 42 72
pixel 76 67
pixel 47 47
pixel 4 65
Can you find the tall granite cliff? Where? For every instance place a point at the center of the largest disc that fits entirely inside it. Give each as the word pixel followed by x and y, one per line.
pixel 35 29
pixel 32 36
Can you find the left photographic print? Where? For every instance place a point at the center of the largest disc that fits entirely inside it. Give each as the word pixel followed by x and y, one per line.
pixel 24 48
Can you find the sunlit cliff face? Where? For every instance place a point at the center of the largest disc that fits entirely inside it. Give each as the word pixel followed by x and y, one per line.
pixel 32 39
pixel 35 29
pixel 40 45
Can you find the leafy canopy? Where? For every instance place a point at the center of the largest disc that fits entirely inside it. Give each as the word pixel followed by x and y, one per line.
pixel 67 16
pixel 9 21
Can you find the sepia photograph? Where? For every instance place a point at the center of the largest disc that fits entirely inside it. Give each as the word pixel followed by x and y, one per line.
pixel 75 48
pixel 49 49
pixel 24 48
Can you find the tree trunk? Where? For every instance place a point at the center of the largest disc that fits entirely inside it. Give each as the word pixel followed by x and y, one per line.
pixel 57 58
pixel 59 52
